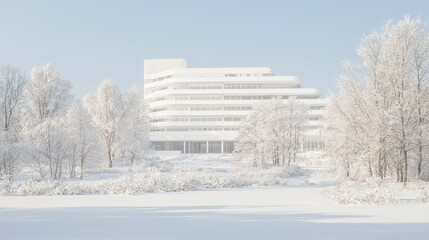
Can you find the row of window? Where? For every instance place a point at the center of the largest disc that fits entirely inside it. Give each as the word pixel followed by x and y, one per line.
pixel 206 87
pixel 243 86
pixel 207 75
pixel 194 129
pixel 206 108
pixel 198 119
pixel 162 78
pixel 211 108
pixel 219 97
pixel 251 97
pixel 232 86
pixel 195 146
pixel 238 108
pixel 247 75
pixel 317 107
pixel 227 86
pixel 313 145
pixel 254 86
pixel 234 119
pixel 160 99
pixel 181 98
pixel 220 108
pixel 211 119
pixel 315 118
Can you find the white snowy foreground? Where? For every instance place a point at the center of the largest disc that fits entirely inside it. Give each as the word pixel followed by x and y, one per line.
pixel 252 213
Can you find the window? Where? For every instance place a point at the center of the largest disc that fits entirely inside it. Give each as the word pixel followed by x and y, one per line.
pixel 230 75
pixel 215 147
pixel 235 119
pixel 206 87
pixel 238 108
pixel 243 86
pixel 317 107
pixel 228 147
pixel 315 118
pixel 159 109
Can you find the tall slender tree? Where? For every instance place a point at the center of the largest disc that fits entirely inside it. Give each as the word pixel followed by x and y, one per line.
pixel 109 111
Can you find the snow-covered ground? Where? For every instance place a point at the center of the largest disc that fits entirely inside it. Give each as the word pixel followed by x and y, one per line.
pixel 174 173
pixel 252 213
pixel 298 208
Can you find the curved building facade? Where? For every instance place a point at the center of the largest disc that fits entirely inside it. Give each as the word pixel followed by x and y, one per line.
pixel 199 110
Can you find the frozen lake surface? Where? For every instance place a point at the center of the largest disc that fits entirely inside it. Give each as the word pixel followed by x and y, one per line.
pixel 252 213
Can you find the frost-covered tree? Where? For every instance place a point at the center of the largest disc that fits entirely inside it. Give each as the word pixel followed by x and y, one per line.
pixel 47 94
pixel 10 153
pixel 272 131
pixel 249 146
pixel 50 146
pixel 47 98
pixel 378 123
pixel 420 74
pixel 135 142
pixel 296 116
pixel 109 111
pixel 12 82
pixel 83 140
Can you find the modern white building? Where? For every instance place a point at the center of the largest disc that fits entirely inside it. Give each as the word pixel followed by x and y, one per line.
pixel 199 110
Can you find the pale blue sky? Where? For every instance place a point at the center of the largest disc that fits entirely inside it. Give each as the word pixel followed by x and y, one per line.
pixel 92 40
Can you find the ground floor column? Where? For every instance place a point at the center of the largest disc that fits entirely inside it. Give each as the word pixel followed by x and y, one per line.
pixel 184 146
pixel 221 146
pixel 207 147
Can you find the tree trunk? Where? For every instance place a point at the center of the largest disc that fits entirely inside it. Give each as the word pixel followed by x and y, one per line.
pixel 420 158
pixel 109 151
pixel 81 168
pixel 405 167
pixel 369 167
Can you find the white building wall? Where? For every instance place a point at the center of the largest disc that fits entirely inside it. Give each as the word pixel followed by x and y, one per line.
pixel 200 109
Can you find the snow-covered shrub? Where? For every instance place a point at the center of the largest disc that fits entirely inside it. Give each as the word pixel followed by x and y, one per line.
pixel 5 185
pixel 32 187
pixel 371 191
pixel 165 179
pixel 423 195
pixel 269 177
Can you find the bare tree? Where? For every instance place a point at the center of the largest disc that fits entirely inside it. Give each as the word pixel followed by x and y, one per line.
pixel 10 153
pixel 135 142
pixel 12 82
pixel 83 139
pixel 420 72
pixel 51 144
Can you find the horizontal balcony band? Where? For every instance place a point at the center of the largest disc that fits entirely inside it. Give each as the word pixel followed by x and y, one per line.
pixel 193 136
pixel 299 92
pixel 209 73
pixel 196 124
pixel 197 113
pixel 288 81
pixel 161 103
